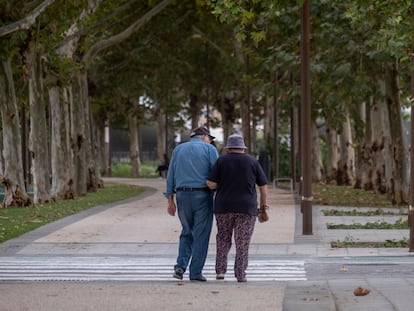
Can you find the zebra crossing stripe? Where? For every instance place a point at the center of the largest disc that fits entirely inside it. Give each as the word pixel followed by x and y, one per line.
pixel 127 268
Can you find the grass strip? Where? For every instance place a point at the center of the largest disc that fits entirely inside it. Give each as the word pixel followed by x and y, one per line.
pixel 399 224
pixel 385 244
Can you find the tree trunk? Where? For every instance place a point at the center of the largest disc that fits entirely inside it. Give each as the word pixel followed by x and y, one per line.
pixel 346 169
pixel 100 134
pixel 268 120
pixel 194 110
pixel 78 139
pixel 245 122
pixel 81 178
pixel 61 153
pixel 364 163
pixel 395 183
pixel 14 193
pixel 39 148
pixel 380 134
pixel 134 146
pixel 332 155
pixel 253 136
pixel 161 135
pixel 226 108
pixel 317 167
pixel 92 175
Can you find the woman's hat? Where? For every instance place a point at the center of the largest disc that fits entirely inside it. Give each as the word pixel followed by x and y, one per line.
pixel 235 141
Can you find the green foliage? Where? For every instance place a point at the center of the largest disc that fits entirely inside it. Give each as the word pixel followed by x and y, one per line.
pixel 388 22
pixel 251 19
pixel 16 221
pixel 124 170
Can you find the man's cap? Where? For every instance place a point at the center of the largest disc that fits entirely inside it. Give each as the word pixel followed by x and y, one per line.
pixel 202 130
pixel 235 141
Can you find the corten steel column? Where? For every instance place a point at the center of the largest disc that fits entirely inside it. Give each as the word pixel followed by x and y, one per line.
pixel 166 133
pixel 293 149
pixel 306 169
pixel 411 203
pixel 24 147
pixel 207 87
pixel 275 126
pixel 248 139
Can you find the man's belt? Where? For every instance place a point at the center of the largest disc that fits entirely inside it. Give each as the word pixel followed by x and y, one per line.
pixel 187 189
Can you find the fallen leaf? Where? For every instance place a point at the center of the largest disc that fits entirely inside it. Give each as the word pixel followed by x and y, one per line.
pixel 360 291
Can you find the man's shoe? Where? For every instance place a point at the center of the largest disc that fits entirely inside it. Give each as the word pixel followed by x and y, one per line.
pixel 199 279
pixel 242 280
pixel 220 276
pixel 178 273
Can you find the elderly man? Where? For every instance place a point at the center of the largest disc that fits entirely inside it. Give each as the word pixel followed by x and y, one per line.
pixel 189 167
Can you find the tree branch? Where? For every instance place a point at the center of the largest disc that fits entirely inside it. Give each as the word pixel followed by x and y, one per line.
pixel 212 43
pixel 27 21
pixel 106 43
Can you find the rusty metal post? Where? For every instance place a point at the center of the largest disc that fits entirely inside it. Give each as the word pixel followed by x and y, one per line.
pixel 411 200
pixel 306 151
pixel 275 125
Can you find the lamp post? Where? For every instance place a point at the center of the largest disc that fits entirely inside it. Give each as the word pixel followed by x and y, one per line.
pixel 306 169
pixel 275 125
pixel 411 198
pixel 207 88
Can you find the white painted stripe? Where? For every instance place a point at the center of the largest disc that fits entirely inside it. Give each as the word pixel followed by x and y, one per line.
pixel 135 269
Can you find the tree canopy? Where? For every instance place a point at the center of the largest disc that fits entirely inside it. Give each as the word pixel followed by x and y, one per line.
pixel 232 63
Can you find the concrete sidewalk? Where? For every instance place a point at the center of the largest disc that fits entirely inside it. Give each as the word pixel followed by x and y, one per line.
pixel 140 229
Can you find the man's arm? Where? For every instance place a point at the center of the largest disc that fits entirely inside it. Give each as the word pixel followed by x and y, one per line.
pixel 171 208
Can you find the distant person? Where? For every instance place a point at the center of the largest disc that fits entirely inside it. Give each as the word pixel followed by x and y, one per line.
pixel 190 165
pixel 163 168
pixel 235 176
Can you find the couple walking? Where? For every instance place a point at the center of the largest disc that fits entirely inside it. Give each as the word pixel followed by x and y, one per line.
pixel 200 184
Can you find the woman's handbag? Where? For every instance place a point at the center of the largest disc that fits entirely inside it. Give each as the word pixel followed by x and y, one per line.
pixel 263 215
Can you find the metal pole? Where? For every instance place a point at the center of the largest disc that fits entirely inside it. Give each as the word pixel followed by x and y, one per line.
pixel 292 147
pixel 208 87
pixel 411 203
pixel 109 150
pixel 275 126
pixel 248 139
pixel 293 122
pixel 306 200
pixel 24 147
pixel 166 133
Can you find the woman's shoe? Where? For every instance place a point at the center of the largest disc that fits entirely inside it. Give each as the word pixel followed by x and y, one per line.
pixel 220 276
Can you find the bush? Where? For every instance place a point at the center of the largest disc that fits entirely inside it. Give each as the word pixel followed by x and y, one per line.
pixel 124 170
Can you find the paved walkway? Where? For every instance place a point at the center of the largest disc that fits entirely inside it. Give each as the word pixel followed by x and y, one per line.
pixel 122 254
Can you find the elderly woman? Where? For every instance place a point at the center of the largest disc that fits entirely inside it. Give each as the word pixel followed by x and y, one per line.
pixel 235 176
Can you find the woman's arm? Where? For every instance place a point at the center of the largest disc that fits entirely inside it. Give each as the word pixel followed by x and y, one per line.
pixel 211 184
